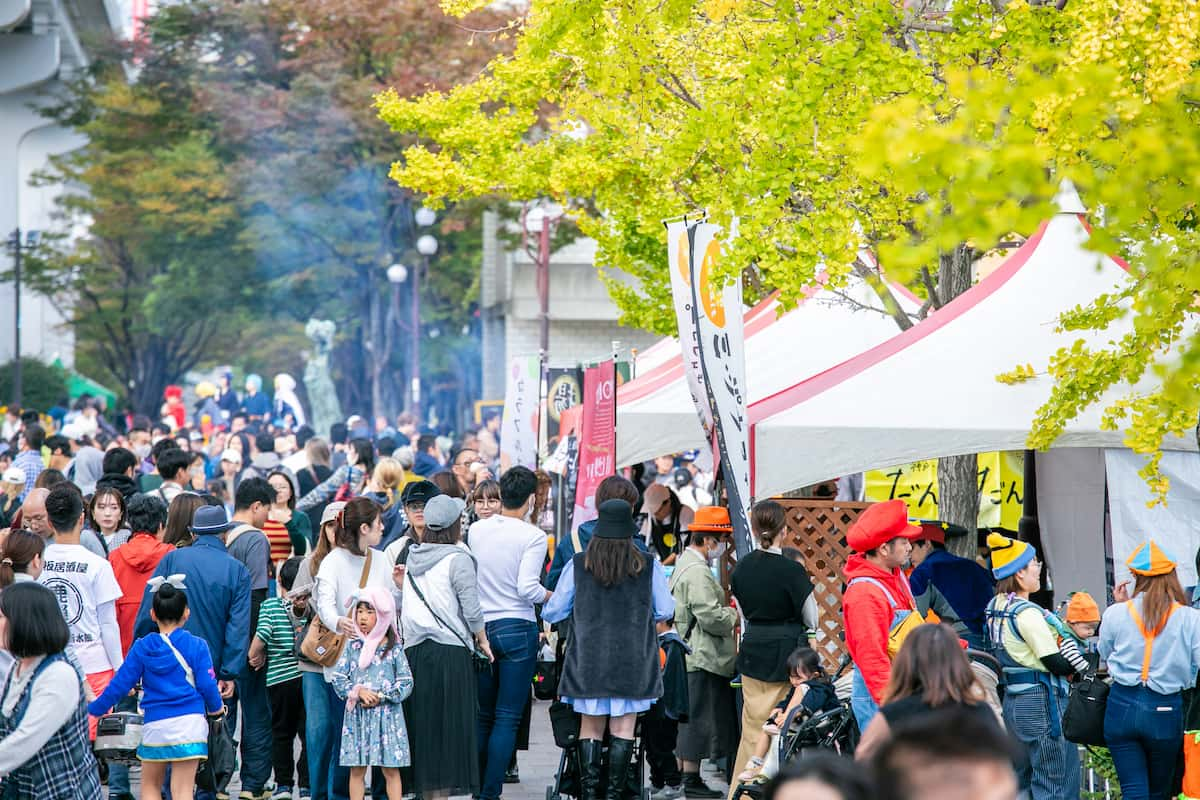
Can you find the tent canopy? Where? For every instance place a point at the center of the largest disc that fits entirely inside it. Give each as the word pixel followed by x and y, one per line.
pixel 932 390
pixel 655 413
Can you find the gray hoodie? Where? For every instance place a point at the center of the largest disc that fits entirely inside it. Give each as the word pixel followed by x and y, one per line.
pixel 446 576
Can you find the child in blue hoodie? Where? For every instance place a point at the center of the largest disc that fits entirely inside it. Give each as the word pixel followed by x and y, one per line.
pixel 178 686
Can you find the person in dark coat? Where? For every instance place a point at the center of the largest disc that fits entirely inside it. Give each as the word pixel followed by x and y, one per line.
pixel 611 670
pixel 660 726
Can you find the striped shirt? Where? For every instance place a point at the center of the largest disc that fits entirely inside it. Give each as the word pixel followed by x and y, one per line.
pixel 276 632
pixel 32 465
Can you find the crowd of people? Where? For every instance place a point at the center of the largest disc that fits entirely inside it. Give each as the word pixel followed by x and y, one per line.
pixel 366 612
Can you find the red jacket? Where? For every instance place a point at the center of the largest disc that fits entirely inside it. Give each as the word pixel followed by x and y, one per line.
pixel 867 619
pixel 134 563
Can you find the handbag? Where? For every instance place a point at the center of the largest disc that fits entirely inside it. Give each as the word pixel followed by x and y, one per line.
pixel 321 645
pixel 478 658
pixel 1083 719
pixel 545 679
pixel 216 771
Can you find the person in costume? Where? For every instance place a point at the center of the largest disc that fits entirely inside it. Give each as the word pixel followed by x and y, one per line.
pixel 1027 645
pixel 1151 644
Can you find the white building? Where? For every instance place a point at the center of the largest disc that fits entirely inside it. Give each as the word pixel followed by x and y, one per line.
pixel 41 45
pixel 583 319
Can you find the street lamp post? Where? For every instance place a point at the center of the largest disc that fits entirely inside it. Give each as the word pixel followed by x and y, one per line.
pixel 16 245
pixel 427 246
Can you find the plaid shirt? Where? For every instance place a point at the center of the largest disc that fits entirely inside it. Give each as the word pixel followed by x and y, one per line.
pixel 32 465
pixel 64 769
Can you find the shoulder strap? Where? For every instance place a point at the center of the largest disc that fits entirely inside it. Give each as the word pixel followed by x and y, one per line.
pixel 575 539
pixel 366 570
pixel 864 579
pixel 187 670
pixel 1149 636
pixel 232 536
pixel 437 618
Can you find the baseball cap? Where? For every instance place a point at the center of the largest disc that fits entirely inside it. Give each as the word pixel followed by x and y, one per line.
pixel 419 492
pixel 13 475
pixel 232 456
pixel 442 511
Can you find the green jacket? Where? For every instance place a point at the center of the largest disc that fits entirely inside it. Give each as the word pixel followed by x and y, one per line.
pixel 699 597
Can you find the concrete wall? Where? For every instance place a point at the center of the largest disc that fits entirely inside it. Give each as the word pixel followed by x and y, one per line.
pixel 583 319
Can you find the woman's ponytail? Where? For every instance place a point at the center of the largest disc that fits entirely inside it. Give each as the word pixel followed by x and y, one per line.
pixel 20 548
pixel 768 519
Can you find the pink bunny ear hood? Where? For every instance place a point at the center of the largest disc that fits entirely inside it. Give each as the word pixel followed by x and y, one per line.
pixel 385 616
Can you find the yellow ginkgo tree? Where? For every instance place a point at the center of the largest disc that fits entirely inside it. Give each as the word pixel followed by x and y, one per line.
pixel 910 127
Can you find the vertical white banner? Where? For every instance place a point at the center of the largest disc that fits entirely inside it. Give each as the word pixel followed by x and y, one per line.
pixel 678 258
pixel 722 355
pixel 519 425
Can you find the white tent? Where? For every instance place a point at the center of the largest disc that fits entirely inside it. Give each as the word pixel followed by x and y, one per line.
pixel 932 390
pixel 655 414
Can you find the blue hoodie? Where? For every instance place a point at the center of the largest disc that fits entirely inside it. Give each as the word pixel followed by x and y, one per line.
pixel 166 691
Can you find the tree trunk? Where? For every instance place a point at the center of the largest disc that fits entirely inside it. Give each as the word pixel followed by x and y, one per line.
pixel 958 476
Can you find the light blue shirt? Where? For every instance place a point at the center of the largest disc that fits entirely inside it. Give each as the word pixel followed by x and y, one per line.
pixel 560 604
pixel 1174 658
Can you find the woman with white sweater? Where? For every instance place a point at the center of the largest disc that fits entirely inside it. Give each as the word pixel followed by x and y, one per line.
pixel 350 566
pixel 44 749
pixel 443 625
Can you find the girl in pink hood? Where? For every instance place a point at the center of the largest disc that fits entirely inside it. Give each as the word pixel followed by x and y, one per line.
pixel 374 678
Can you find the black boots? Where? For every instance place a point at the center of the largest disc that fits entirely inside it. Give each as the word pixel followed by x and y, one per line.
pixel 620 754
pixel 695 787
pixel 590 753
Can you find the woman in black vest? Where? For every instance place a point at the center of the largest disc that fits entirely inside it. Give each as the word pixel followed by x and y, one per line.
pixel 774 594
pixel 610 672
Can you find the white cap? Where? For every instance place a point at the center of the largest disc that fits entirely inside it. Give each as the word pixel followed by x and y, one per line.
pixel 232 456
pixel 72 431
pixel 13 475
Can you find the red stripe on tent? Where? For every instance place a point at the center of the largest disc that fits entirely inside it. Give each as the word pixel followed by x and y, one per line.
pixel 1120 262
pixel 756 319
pixel 799 392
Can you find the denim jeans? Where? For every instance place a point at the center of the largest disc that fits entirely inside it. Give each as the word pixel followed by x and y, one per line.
pixel 861 702
pixel 318 732
pixel 503 691
pixel 250 699
pixel 1143 730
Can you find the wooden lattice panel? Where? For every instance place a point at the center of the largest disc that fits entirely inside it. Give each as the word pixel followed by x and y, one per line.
pixel 818 530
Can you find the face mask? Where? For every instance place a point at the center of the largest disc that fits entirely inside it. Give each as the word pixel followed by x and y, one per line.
pixel 717 551
pixel 142 451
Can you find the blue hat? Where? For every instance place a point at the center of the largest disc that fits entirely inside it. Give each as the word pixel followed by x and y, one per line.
pixel 210 519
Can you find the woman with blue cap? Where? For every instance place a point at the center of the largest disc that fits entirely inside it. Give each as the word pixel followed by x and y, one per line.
pixel 1152 646
pixel 1035 672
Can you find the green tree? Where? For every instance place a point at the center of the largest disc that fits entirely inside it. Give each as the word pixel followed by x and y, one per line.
pixel 145 260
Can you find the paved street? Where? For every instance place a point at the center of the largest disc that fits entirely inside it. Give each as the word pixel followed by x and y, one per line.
pixel 537 765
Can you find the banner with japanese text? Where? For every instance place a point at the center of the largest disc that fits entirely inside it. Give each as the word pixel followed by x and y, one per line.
pixel 564 390
pixel 722 351
pixel 597 440
pixel 1001 488
pixel 679 261
pixel 519 425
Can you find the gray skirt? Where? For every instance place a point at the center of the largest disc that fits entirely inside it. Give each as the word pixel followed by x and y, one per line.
pixel 712 727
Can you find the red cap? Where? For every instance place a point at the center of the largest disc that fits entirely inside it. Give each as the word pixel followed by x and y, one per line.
pixel 933 532
pixel 879 524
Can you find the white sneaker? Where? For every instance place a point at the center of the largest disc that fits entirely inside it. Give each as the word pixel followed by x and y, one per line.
pixel 667 793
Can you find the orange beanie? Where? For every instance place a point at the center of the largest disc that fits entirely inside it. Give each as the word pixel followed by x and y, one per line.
pixel 1082 608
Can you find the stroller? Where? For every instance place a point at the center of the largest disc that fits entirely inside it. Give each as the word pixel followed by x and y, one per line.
pixel 565 724
pixel 834 730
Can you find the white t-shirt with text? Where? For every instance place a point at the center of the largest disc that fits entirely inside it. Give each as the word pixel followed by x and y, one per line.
pixel 82 582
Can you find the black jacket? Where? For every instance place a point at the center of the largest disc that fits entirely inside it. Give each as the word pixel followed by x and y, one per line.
pixel 674 699
pixel 124 484
pixel 771 591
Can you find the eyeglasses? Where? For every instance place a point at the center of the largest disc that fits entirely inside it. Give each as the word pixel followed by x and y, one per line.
pixel 414 507
pixel 487 501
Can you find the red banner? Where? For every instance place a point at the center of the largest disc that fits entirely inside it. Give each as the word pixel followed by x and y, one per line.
pixel 598 440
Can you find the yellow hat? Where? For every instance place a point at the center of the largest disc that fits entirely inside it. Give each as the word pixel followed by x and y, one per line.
pixel 1150 559
pixel 206 389
pixel 1009 556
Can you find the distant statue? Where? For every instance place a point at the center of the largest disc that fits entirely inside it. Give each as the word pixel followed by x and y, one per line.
pixel 322 396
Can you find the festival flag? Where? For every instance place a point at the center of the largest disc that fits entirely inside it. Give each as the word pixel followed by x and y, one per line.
pixel 722 358
pixel 564 390
pixel 679 262
pixel 598 439
pixel 519 425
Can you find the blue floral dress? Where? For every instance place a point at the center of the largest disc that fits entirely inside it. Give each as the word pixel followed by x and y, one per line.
pixel 374 737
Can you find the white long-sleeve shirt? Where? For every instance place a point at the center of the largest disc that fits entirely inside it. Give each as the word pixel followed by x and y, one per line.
pixel 53 698
pixel 510 555
pixel 337 582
